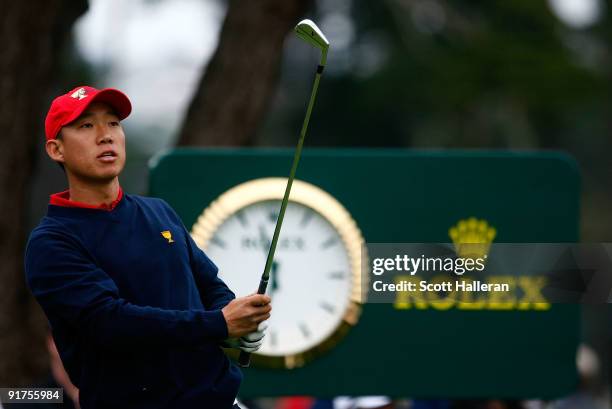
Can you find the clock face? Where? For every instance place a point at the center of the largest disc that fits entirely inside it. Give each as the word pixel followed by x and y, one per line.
pixel 310 279
pixel 315 279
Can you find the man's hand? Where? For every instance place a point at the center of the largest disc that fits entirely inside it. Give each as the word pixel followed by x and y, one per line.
pixel 244 314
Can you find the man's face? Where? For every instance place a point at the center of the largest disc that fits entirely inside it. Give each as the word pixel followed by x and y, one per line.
pixel 91 148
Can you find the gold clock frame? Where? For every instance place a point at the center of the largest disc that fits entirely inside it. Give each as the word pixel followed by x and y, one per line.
pixel 309 195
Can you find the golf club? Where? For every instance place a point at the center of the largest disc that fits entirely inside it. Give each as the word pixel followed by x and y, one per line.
pixel 309 32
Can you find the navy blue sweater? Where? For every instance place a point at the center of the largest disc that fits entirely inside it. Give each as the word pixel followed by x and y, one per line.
pixel 136 316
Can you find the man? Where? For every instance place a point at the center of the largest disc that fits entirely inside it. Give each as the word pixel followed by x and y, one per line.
pixel 136 308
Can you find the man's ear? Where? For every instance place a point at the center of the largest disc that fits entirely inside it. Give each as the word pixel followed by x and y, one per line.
pixel 55 150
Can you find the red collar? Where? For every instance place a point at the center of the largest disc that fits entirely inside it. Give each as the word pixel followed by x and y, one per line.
pixel 63 199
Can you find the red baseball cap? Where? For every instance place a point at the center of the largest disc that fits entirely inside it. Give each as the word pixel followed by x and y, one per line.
pixel 68 107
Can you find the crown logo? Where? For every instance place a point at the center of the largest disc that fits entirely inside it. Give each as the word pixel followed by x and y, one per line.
pixel 472 238
pixel 79 94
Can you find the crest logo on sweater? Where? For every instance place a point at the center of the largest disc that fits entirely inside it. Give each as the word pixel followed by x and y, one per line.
pixel 167 234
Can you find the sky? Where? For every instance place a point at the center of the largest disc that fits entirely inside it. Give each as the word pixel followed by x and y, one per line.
pixel 155 52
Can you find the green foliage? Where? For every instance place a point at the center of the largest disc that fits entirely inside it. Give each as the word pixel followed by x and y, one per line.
pixel 497 73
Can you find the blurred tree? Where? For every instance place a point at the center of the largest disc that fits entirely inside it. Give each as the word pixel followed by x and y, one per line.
pixel 464 73
pixel 32 34
pixel 237 86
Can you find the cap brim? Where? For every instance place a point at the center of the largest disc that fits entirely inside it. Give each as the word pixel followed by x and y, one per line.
pixel 116 99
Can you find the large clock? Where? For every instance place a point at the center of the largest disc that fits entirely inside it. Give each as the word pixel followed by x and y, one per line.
pixel 315 281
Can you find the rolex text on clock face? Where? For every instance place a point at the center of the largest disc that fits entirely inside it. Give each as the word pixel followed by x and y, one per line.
pixel 310 279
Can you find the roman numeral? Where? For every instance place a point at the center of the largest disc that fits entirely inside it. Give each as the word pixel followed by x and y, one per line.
pixel 272 213
pixel 336 275
pixel 327 307
pixel 304 330
pixel 218 242
pixel 306 218
pixel 242 219
pixel 329 242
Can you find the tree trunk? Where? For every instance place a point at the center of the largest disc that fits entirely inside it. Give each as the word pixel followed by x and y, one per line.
pixel 236 89
pixel 31 35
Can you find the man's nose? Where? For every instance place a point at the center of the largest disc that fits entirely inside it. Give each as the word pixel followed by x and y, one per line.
pixel 104 135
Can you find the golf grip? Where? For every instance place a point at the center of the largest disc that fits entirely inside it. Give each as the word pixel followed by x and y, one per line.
pixel 244 360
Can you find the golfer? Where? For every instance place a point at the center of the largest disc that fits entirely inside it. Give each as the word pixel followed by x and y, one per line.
pixel 136 309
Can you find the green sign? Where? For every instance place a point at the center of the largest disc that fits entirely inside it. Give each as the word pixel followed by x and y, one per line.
pixel 405 349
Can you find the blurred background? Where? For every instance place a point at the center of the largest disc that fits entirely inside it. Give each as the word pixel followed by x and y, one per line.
pixel 425 74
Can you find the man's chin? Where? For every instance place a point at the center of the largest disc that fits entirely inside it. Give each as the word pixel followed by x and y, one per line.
pixel 108 176
pixel 100 179
pixel 100 176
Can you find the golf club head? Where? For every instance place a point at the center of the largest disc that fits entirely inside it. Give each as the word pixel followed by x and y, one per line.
pixel 308 31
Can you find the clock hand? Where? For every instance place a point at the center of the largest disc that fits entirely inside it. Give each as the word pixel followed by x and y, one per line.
pixel 264 239
pixel 265 245
pixel 274 277
pixel 274 268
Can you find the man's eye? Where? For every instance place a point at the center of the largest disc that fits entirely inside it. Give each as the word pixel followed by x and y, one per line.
pixel 114 123
pixel 86 125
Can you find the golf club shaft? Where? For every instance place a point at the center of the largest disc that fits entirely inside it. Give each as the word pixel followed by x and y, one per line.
pixel 245 358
